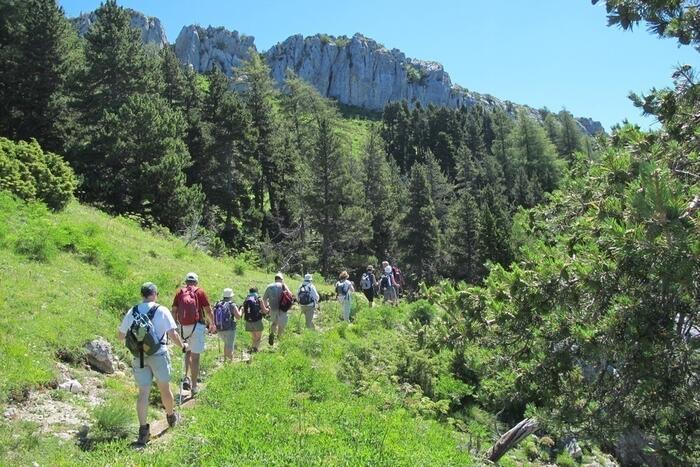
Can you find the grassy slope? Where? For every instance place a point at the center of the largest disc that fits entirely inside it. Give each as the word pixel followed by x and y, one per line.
pixel 87 273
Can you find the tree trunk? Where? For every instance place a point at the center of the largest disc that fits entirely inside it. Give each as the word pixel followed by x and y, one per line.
pixel 516 434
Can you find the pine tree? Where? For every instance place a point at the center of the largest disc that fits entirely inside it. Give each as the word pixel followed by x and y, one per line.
pixel 382 194
pixel 334 201
pixel 422 231
pixel 145 159
pixel 464 240
pixel 571 136
pixel 39 55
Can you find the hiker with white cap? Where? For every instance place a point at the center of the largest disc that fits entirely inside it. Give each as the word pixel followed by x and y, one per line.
pixel 308 299
pixel 344 290
pixel 190 308
pixel 226 313
pixel 368 284
pixel 146 329
pixel 387 285
pixel 278 300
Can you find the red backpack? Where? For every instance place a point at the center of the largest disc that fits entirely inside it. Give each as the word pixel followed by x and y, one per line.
pixel 188 306
pixel 286 299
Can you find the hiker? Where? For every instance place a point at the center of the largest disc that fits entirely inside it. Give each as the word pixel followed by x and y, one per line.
pixel 190 306
pixel 398 280
pixel 387 285
pixel 308 299
pixel 226 313
pixel 344 290
pixel 278 300
pixel 253 311
pixel 368 284
pixel 151 358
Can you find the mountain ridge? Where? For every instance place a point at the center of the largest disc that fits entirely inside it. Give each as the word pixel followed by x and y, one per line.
pixel 356 71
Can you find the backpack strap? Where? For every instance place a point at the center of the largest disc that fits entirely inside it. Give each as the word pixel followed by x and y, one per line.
pixel 151 315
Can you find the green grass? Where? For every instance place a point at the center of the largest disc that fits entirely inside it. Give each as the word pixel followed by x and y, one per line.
pixel 70 277
pixel 355 132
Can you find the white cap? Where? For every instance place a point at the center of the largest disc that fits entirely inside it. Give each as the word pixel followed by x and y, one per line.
pixel 308 278
pixel 228 293
pixel 387 269
pixel 191 277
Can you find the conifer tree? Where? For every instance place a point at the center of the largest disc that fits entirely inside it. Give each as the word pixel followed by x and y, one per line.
pixel 421 230
pixel 382 197
pixel 464 245
pixel 39 56
pixel 571 137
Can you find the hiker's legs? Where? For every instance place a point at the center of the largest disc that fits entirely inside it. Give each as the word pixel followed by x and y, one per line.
pixel 166 396
pixel 194 367
pixel 347 306
pixel 309 315
pixel 142 404
pixel 229 338
pixel 256 336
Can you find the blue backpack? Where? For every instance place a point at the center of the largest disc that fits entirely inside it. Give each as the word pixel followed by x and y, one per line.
pixel 141 339
pixel 223 317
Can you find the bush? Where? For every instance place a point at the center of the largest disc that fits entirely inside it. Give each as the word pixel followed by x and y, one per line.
pixel 423 312
pixel 112 420
pixel 32 174
pixel 565 460
pixel 35 241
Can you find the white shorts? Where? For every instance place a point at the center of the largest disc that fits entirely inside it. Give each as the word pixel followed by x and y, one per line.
pixel 194 339
pixel 157 366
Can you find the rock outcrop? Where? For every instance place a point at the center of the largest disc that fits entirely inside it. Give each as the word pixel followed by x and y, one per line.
pixel 205 48
pixel 152 31
pixel 100 356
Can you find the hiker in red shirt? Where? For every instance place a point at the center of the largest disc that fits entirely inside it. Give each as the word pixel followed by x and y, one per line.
pixel 190 307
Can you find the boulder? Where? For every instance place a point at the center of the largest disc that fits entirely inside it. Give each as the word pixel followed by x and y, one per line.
pixel 100 356
pixel 72 386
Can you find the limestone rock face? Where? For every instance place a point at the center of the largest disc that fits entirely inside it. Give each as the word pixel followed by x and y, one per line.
pixel 205 48
pixel 152 31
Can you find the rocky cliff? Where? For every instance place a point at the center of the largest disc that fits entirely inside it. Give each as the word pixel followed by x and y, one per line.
pixel 356 71
pixel 204 48
pixel 152 31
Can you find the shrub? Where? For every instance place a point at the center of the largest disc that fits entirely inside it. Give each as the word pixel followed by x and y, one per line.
pixel 112 420
pixel 35 241
pixel 239 266
pixel 32 174
pixel 422 311
pixel 565 460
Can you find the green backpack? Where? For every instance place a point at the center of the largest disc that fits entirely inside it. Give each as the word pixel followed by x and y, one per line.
pixel 141 339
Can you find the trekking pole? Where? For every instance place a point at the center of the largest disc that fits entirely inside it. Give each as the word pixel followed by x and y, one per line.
pixel 182 381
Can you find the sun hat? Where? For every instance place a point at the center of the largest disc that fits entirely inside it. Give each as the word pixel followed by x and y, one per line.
pixel 370 268
pixel 279 276
pixel 308 278
pixel 191 277
pixel 148 289
pixel 387 270
pixel 228 293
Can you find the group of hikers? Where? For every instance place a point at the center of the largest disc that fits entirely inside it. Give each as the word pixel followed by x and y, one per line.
pixel 148 327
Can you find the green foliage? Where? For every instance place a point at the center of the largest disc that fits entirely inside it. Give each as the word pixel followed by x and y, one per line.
pixel 32 174
pixel 113 420
pixel 565 460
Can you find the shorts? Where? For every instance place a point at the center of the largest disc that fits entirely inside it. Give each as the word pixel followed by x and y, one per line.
pixel 390 294
pixel 279 317
pixel 194 339
pixel 369 293
pixel 254 326
pixel 157 365
pixel 229 338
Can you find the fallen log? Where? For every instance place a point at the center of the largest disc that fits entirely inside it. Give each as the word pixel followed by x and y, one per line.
pixel 511 438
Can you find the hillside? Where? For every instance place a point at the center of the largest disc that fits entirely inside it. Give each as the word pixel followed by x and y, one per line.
pixel 74 273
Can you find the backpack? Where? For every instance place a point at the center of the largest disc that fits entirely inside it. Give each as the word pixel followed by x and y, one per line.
pixel 341 288
pixel 385 283
pixel 251 309
pixel 286 299
pixel 366 282
pixel 188 306
pixel 305 295
pixel 223 316
pixel 141 338
pixel 398 276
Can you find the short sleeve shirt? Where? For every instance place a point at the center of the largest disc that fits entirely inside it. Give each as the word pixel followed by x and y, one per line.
pixel 201 295
pixel 162 320
pixel 273 292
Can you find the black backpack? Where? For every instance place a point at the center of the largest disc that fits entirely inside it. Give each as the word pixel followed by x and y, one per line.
pixel 304 297
pixel 385 283
pixel 141 338
pixel 251 309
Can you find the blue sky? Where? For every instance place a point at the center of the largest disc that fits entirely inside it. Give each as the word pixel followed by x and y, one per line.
pixel 544 53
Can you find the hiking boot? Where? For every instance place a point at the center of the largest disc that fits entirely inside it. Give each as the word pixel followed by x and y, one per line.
pixel 144 434
pixel 271 339
pixel 186 383
pixel 173 419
